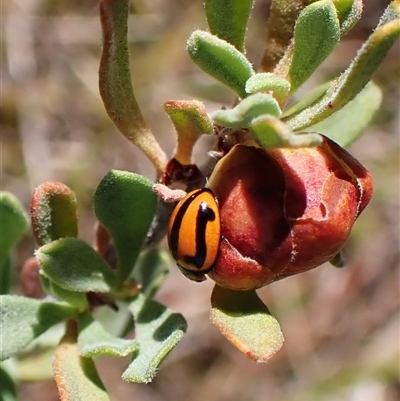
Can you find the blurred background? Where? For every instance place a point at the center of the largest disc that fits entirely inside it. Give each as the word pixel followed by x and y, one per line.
pixel 341 325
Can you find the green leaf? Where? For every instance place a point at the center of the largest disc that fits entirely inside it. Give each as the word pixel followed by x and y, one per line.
pixel 358 74
pixel 94 340
pixel 345 126
pixel 13 223
pixel 116 86
pixel 23 319
pixel 221 60
pixel 5 275
pixel 270 132
pixel 8 390
pixel 74 265
pixel 316 34
pixel 246 322
pixel 151 270
pixel 349 12
pixel 248 109
pixel 76 377
pixel 190 120
pixel 158 330
pixel 75 299
pixel 265 82
pixel 125 204
pixel 228 20
pixel 53 212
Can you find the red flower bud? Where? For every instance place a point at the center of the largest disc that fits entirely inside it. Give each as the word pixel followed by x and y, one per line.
pixel 284 211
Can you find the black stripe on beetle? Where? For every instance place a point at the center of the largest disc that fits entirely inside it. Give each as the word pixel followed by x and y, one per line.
pixel 204 215
pixel 174 235
pixel 198 217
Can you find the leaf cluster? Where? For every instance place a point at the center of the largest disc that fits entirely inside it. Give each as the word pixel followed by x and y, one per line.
pixel 81 279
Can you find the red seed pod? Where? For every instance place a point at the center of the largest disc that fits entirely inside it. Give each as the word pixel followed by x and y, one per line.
pixel 284 211
pixel 30 279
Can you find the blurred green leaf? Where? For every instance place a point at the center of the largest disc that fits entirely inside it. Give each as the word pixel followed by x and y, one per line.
pixel 125 204
pixel 191 120
pixel 158 330
pixel 228 20
pixel 53 212
pixel 349 12
pixel 116 86
pixel 316 34
pixel 23 319
pixel 246 322
pixel 358 74
pixel 94 340
pixel 75 266
pixel 221 60
pixel 76 377
pixel 248 109
pixel 5 274
pixel 270 132
pixel 8 391
pixel 13 225
pixel 345 126
pixel 14 222
pixel 151 270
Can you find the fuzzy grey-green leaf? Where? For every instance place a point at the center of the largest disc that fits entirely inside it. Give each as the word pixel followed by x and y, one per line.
pixel 221 60
pixel 265 82
pixel 191 120
pixel 23 319
pixel 357 75
pixel 158 329
pixel 75 266
pixel 317 32
pixel 246 322
pixel 94 340
pixel 125 204
pixel 115 83
pixel 248 109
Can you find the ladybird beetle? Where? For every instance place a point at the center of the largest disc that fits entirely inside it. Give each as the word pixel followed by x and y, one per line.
pixel 194 233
